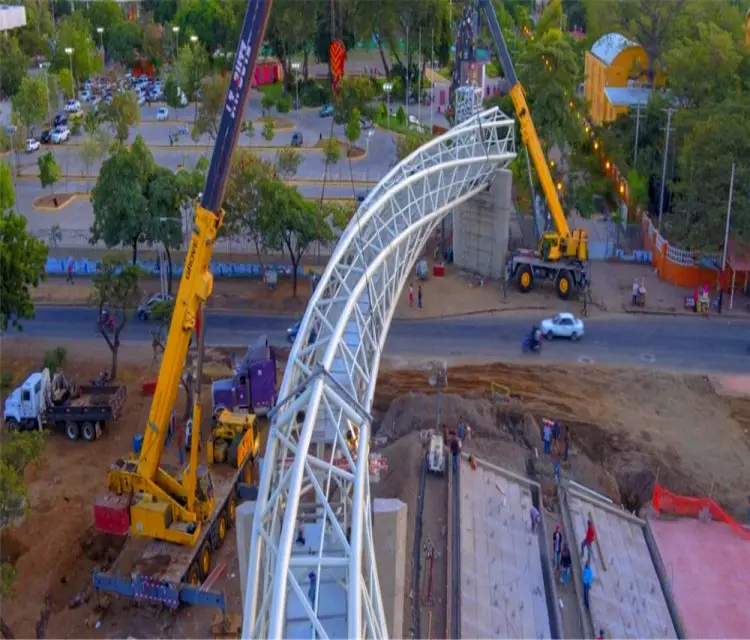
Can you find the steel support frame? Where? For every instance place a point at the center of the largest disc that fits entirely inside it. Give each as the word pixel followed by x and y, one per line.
pixel 358 293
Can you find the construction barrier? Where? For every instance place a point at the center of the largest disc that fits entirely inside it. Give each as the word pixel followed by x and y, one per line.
pixel 665 501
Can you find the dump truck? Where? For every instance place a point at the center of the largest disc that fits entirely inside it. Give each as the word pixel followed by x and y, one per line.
pixel 80 411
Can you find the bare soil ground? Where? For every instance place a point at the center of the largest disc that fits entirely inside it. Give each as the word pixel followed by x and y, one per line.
pixel 54 201
pixel 627 425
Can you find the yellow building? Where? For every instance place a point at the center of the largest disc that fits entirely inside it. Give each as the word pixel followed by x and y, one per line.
pixel 615 75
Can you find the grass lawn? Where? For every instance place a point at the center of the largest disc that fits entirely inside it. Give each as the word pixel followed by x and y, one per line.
pixel 393 125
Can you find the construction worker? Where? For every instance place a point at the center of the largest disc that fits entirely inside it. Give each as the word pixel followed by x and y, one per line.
pixel 454 450
pixel 588 541
pixel 588 582
pixel 557 546
pixel 566 562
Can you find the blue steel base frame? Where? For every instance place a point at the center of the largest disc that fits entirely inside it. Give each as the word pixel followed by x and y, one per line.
pixel 146 590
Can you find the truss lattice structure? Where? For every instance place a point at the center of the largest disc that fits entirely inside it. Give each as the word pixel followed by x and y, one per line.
pixel 311 569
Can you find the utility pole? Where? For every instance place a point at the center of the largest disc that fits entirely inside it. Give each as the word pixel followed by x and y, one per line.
pixel 408 74
pixel 670 110
pixel 432 79
pixel 729 221
pixel 637 131
pixel 419 84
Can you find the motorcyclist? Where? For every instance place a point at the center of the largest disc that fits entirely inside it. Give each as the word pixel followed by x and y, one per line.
pixel 535 337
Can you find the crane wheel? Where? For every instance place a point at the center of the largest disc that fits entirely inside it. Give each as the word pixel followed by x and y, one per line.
pixel 231 511
pixel 564 285
pixel 12 425
pixel 525 279
pixel 204 562
pixel 193 576
pixel 221 529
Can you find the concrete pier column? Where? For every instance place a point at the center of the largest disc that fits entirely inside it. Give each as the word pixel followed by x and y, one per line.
pixel 389 533
pixel 244 528
pixel 481 227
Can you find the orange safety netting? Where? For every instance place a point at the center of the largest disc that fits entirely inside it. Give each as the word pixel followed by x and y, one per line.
pixel 665 500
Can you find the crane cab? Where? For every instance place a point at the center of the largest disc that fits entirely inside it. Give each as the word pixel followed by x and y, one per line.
pixel 553 246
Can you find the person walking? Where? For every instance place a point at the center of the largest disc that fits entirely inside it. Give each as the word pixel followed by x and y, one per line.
pixel 547 433
pixel 566 444
pixel 311 589
pixel 588 581
pixel 588 540
pixel 411 295
pixel 454 451
pixel 556 437
pixel 557 547
pixel 419 296
pixel 566 562
pixel 70 273
pixel 556 470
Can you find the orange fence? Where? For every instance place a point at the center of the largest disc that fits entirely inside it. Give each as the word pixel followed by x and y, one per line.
pixel 668 502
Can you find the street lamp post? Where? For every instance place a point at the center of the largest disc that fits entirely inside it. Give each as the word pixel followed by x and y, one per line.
pixel 194 40
pixel 295 68
pixel 176 31
pixel 69 51
pixel 100 31
pixel 388 87
pixel 45 66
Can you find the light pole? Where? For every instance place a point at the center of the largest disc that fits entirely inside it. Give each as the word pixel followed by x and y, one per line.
pixel 100 31
pixel 45 67
pixel 194 40
pixel 295 68
pixel 388 87
pixel 69 51
pixel 176 31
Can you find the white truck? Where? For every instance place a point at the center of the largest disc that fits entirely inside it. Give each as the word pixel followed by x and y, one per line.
pixel 44 400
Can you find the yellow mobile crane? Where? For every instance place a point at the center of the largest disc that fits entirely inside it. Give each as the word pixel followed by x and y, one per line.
pixel 562 254
pixel 187 507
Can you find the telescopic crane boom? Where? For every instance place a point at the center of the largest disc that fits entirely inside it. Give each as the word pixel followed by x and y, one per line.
pixel 164 506
pixel 563 243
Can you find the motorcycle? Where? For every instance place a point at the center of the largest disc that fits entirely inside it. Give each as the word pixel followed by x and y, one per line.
pixel 528 345
pixel 104 379
pixel 107 321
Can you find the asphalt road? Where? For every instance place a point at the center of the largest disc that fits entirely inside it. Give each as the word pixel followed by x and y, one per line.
pixel 684 343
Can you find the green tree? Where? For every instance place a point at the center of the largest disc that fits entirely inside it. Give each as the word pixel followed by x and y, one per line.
pixel 249 130
pixel 116 287
pixel 192 66
pixel 408 144
pixel 73 32
pixel 124 41
pixel 284 103
pixel 123 113
pixel 22 263
pixel 268 130
pixel 331 152
pixel 216 23
pixel 291 223
pixel 289 36
pixel 213 94
pixel 49 170
pixel 267 103
pixel 339 213
pixel 7 192
pixel 121 214
pixel 552 18
pixel 243 199
pixel 164 203
pixel 401 116
pixel 91 122
pixel 30 102
pixel 93 149
pixel 35 36
pixel 288 161
pixel 172 92
pixel 353 127
pixel 65 80
pixel 104 13
pixel 13 66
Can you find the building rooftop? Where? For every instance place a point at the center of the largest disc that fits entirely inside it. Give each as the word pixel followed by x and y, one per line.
pixel 627 598
pixel 502 586
pixel 609 46
pixel 627 96
pixel 12 17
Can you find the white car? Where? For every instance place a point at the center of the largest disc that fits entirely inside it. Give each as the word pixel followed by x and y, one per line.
pixel 72 105
pixel 60 134
pixel 141 100
pixel 162 114
pixel 32 144
pixel 563 325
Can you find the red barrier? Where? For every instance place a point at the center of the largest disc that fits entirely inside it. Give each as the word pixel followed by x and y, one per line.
pixel 668 502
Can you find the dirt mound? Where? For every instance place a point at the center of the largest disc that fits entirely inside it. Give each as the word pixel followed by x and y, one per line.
pixel 11 546
pixel 416 411
pixel 404 469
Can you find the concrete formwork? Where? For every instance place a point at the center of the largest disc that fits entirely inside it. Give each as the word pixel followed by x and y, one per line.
pixel 481 229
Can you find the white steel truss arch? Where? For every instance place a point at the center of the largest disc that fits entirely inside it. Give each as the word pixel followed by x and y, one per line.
pixel 321 580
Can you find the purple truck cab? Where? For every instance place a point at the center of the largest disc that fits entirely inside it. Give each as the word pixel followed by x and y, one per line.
pixel 253 385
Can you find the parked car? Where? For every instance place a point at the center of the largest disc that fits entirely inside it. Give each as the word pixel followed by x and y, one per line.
pixel 563 325
pixel 297 140
pixel 60 135
pixel 365 124
pixel 46 137
pixel 61 120
pixel 85 95
pixel 326 111
pixel 144 311
pixel 291 333
pixel 74 115
pixel 162 114
pixel 32 144
pixel 72 105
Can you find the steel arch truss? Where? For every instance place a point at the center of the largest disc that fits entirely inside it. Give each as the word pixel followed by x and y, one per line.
pixel 311 569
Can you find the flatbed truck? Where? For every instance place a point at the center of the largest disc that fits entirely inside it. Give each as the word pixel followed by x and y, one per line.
pixel 82 412
pixel 152 571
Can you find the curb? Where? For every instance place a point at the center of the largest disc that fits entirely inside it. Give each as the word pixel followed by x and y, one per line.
pixel 679 314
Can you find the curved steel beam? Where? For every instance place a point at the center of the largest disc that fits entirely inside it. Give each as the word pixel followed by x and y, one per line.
pixel 319 436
